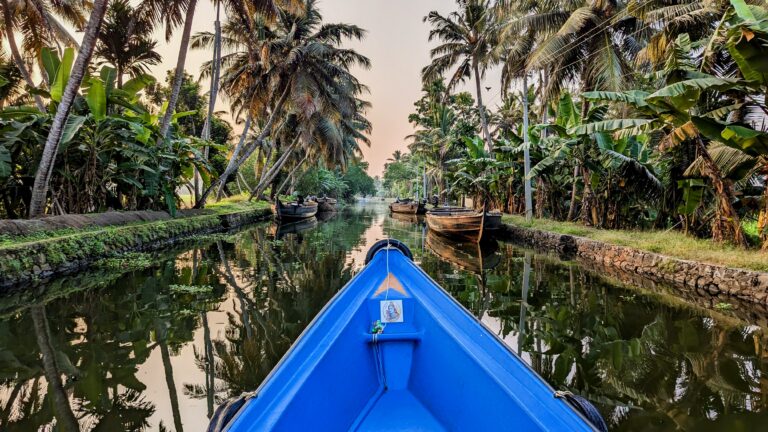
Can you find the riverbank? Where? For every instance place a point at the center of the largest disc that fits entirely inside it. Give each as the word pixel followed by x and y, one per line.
pixel 686 263
pixel 41 254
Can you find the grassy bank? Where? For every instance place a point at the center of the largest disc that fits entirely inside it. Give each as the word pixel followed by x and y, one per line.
pixel 226 206
pixel 50 253
pixel 671 243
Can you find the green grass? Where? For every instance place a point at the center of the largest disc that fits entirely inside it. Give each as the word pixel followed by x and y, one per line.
pixel 236 203
pixel 671 243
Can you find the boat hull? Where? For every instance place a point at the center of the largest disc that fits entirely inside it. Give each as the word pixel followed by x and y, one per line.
pixel 404 208
pixel 462 223
pixel 294 211
pixel 326 205
pixel 428 365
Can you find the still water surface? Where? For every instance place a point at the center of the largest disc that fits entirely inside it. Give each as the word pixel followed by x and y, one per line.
pixel 158 349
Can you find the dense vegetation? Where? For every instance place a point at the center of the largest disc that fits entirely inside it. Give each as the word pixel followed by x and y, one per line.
pixel 641 114
pixel 86 128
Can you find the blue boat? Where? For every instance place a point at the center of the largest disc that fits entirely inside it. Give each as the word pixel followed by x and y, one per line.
pixel 393 351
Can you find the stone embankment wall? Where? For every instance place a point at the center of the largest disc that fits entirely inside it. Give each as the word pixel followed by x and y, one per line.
pixel 31 261
pixel 692 276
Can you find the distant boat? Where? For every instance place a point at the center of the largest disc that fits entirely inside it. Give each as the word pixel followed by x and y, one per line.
pixel 394 351
pixel 326 204
pixel 462 222
pixel 295 210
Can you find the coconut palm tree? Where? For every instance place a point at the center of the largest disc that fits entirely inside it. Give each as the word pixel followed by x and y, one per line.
pixel 468 37
pixel 45 168
pixel 301 70
pixel 43 23
pixel 125 41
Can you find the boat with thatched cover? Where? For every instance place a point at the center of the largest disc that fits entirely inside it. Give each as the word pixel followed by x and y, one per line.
pixel 325 204
pixel 295 210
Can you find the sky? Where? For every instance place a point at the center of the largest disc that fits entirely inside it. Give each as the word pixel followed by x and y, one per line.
pixel 398 48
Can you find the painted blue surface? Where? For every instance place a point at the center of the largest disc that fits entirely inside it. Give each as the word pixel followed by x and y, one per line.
pixel 442 369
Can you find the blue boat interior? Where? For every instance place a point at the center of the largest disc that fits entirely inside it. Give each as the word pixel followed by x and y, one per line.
pixel 394 352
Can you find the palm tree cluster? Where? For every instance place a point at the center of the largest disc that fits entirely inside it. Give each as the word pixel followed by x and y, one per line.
pixel 643 113
pixel 89 116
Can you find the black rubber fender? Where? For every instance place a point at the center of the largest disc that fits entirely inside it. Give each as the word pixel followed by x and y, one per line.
pixel 383 244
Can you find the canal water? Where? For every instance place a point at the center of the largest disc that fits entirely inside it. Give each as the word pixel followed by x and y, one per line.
pixel 158 349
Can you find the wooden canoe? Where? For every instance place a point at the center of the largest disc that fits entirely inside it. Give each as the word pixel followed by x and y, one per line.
pixel 295 210
pixel 462 223
pixel 411 207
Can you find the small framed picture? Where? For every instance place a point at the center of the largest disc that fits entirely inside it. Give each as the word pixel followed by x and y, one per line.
pixel 391 311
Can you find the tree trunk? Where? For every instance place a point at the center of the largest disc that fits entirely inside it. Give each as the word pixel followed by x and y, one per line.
pixel 178 77
pixel 250 149
pixel 235 153
pixel 762 222
pixel 574 188
pixel 45 168
pixel 481 107
pixel 274 170
pixel 293 171
pixel 9 28
pixel 215 74
pixel 726 226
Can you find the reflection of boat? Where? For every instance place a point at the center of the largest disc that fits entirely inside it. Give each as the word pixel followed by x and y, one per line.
pixel 405 206
pixel 325 216
pixel 462 222
pixel 409 218
pixel 325 204
pixel 473 257
pixel 281 229
pixel 295 210
pixel 425 363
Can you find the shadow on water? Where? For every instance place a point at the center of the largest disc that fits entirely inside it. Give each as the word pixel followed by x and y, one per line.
pixel 160 348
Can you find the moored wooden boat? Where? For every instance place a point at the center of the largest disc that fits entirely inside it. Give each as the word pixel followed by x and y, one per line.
pixel 295 210
pixel 462 222
pixel 405 207
pixel 424 364
pixel 326 204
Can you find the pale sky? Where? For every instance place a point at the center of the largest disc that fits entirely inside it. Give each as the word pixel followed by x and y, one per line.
pixel 397 46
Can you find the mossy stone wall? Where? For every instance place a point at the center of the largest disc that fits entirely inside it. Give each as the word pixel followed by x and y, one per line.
pixel 26 262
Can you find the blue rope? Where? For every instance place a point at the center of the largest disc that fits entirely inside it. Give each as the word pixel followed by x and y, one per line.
pixel 585 407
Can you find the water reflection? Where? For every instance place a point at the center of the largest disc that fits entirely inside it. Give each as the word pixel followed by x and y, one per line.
pixel 159 349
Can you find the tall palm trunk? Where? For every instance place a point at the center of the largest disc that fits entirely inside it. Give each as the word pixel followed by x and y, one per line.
pixel 291 174
pixel 481 107
pixel 235 154
pixel 266 130
pixel 45 168
pixel 178 77
pixel 274 170
pixel 9 27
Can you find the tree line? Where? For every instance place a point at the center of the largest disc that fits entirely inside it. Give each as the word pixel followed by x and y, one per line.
pixel 85 127
pixel 640 114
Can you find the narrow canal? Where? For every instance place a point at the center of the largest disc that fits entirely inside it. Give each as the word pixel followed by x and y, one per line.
pixel 159 349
